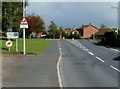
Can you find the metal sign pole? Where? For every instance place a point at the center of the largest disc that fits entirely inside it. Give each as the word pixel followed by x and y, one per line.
pixel 16 45
pixel 9 49
pixel 24 49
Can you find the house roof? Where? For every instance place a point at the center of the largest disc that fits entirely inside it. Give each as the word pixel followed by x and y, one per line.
pixel 69 30
pixel 85 26
pixel 101 32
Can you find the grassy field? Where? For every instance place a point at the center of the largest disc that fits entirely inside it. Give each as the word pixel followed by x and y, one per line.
pixel 33 46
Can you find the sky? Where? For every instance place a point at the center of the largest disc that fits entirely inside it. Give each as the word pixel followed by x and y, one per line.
pixel 76 14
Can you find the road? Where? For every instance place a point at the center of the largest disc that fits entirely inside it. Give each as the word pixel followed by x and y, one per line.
pixel 86 64
pixel 31 70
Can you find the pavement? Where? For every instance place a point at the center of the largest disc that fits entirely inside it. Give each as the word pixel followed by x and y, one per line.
pixel 31 70
pixel 88 66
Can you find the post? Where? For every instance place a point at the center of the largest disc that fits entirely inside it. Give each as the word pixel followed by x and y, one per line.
pixel 116 18
pixel 16 45
pixel 24 49
pixel 9 49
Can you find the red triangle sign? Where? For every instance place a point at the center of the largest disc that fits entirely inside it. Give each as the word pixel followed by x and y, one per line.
pixel 24 21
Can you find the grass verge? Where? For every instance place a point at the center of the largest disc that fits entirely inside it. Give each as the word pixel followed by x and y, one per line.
pixel 33 46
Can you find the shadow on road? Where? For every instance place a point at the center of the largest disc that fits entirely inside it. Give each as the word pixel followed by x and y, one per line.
pixel 117 58
pixel 100 44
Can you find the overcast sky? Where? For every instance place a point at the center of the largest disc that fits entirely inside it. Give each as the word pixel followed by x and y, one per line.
pixel 70 14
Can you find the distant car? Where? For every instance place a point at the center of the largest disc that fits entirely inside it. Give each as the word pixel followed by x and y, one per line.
pixel 33 36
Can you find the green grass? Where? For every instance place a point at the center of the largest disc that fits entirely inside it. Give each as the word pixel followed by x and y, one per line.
pixel 33 46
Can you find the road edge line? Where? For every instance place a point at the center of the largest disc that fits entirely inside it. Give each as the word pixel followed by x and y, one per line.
pixel 115 68
pixel 58 68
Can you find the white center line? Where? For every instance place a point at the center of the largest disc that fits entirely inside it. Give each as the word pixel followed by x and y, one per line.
pixel 91 53
pixel 115 68
pixel 100 59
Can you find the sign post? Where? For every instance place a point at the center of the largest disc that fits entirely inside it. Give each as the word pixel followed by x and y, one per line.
pixel 24 48
pixel 23 25
pixel 13 35
pixel 16 45
pixel 9 44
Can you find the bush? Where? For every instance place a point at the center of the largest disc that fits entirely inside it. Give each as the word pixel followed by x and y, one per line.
pixel 110 38
pixel 76 35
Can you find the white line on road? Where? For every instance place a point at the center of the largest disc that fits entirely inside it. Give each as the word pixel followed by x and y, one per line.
pixel 58 68
pixel 100 59
pixel 90 53
pixel 115 68
pixel 115 50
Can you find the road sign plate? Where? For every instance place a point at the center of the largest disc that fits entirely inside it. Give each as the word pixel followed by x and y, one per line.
pixel 23 26
pixel 14 35
pixel 23 22
pixel 9 43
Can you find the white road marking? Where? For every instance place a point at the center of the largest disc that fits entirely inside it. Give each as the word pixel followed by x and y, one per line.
pixel 115 50
pixel 100 59
pixel 115 68
pixel 58 68
pixel 90 53
pixel 84 48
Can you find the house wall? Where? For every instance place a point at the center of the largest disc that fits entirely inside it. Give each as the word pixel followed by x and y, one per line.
pixel 89 31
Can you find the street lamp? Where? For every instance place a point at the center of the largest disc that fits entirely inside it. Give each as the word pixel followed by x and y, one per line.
pixel 116 16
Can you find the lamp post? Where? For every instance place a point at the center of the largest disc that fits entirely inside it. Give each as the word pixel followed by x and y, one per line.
pixel 116 17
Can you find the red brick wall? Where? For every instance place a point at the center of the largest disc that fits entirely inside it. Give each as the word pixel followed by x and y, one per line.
pixel 89 31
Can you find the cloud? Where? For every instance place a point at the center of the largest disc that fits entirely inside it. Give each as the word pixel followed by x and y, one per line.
pixel 69 14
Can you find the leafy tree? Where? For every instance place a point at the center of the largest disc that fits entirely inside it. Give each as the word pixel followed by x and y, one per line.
pixel 64 34
pixel 12 13
pixel 76 35
pixel 57 34
pixel 53 27
pixel 36 24
pixel 110 38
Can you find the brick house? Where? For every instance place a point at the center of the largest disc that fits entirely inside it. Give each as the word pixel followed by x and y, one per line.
pixel 87 31
pixel 70 30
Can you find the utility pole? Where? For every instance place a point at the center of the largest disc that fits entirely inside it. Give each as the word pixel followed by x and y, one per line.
pixel 24 49
pixel 116 17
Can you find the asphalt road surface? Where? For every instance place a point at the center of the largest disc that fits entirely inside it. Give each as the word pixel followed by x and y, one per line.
pixel 31 70
pixel 84 63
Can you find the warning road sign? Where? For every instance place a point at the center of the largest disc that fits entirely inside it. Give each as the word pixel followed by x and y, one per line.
pixel 9 43
pixel 24 23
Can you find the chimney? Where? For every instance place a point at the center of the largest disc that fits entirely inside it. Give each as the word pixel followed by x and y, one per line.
pixel 74 28
pixel 90 23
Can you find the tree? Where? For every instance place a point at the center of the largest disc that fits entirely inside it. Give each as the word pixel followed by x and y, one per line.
pixel 103 26
pixel 53 27
pixel 36 24
pixel 76 35
pixel 110 38
pixel 64 34
pixel 12 13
